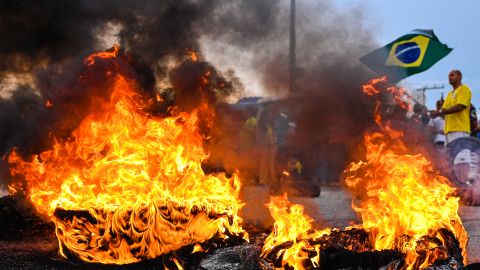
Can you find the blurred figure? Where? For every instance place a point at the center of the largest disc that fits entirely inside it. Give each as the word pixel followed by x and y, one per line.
pixel 438 125
pixel 473 121
pixel 268 145
pixel 294 182
pixel 423 126
pixel 247 149
pixel 292 172
pixel 420 114
pixel 281 129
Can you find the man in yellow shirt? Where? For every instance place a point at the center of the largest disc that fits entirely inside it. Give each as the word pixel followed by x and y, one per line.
pixel 456 109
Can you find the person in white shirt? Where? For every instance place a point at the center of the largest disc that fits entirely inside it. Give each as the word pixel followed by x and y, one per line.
pixel 438 125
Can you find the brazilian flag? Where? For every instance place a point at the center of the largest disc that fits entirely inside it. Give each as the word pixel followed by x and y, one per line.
pixel 410 54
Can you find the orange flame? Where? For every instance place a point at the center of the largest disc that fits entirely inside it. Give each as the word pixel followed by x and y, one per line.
pixel 112 53
pixel 377 86
pixel 193 55
pixel 291 225
pixel 127 186
pixel 48 103
pixel 404 202
pixel 374 87
pixel 403 195
pixel 179 267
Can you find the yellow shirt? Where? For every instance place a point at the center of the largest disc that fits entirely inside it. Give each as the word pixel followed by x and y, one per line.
pixel 459 121
pixel 247 139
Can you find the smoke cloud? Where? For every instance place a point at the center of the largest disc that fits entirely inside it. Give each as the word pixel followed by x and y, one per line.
pixel 243 43
pixel 327 105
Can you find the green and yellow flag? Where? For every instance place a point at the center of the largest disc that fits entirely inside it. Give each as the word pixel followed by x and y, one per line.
pixel 410 54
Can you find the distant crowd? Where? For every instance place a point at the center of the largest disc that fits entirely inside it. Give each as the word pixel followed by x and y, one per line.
pixel 436 125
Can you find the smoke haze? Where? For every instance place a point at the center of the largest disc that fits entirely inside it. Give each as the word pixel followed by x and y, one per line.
pixel 244 43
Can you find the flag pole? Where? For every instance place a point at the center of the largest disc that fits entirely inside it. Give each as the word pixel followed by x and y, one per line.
pixel 292 48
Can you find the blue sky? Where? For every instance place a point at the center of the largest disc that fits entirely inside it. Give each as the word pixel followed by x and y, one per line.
pixel 456 23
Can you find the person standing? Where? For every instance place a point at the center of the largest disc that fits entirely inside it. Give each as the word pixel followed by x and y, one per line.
pixel 267 142
pixel 438 126
pixel 473 121
pixel 456 109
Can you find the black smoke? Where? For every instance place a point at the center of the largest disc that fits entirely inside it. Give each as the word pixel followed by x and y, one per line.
pixel 327 105
pixel 50 39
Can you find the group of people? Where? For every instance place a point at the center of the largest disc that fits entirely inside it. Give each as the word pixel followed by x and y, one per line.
pixel 454 120
pixel 265 157
pixel 261 140
pixel 455 117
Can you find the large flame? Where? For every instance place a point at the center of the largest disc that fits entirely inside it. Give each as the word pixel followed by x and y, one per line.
pixel 127 186
pixel 295 228
pixel 380 86
pixel 404 198
pixel 405 205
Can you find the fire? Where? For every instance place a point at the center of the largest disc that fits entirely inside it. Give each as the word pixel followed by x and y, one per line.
pixel 292 226
pixel 112 53
pixel 405 205
pixel 373 87
pixel 48 103
pixel 193 55
pixel 128 186
pixel 404 198
pixel 378 86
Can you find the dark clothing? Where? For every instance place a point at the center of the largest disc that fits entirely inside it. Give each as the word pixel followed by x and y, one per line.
pixel 473 121
pixel 280 128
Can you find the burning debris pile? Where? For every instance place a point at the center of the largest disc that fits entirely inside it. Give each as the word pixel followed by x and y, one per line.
pixel 296 245
pixel 405 204
pixel 127 185
pixel 409 212
pixel 121 169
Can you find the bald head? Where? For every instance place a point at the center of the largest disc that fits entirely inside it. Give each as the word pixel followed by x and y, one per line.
pixel 455 78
